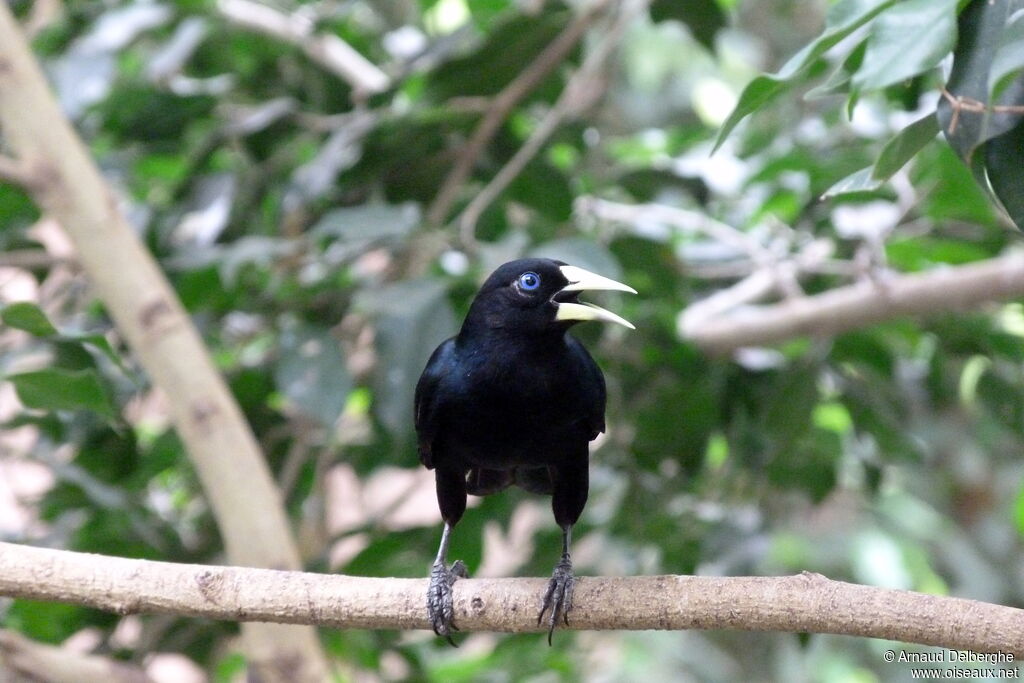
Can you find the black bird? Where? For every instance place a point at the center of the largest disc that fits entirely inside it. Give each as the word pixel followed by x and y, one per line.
pixel 513 399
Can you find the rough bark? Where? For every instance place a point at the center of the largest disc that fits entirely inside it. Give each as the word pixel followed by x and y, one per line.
pixel 802 603
pixel 63 179
pixel 941 290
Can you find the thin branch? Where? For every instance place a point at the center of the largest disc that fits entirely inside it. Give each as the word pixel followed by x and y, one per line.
pixel 754 287
pixel 961 103
pixel 940 290
pixel 579 93
pixel 684 219
pixel 500 107
pixel 803 603
pixel 35 259
pixel 782 276
pixel 326 49
pixel 144 306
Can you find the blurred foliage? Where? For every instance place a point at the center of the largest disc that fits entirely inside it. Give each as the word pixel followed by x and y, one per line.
pixel 288 213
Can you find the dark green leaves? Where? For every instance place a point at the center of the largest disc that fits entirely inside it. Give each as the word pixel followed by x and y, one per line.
pixel 896 153
pixel 983 106
pixel 60 389
pixel 981 102
pixel 312 373
pixel 412 318
pixel 967 126
pixel 1008 60
pixel 844 18
pixel 27 317
pixel 704 18
pixel 1004 161
pixel 908 39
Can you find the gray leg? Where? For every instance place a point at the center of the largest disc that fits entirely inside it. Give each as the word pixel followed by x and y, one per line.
pixel 439 595
pixel 558 597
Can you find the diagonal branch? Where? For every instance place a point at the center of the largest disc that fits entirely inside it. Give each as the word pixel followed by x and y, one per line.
pixel 803 603
pixel 17 172
pixel 502 105
pixel 326 49
pixel 684 219
pixel 580 92
pixel 68 186
pixel 941 290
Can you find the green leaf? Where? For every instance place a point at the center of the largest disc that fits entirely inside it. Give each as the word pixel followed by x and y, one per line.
pixel 891 159
pixel 759 92
pixel 844 18
pixel 500 57
pixel 312 373
pixel 102 345
pixel 704 18
pixel 905 145
pixel 1004 160
pixel 412 318
pixel 1008 61
pixel 859 181
pixel 60 389
pixel 905 40
pixel 28 317
pixel 839 81
pixel 368 222
pixel 981 28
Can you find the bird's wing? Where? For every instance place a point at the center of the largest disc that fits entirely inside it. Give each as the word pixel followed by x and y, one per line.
pixel 594 393
pixel 428 404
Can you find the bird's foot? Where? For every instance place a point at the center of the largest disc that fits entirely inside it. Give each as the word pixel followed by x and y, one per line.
pixel 440 607
pixel 558 597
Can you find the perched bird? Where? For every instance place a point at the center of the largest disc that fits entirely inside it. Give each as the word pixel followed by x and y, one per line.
pixel 513 399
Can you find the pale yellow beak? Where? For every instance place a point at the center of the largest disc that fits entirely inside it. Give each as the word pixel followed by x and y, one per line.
pixel 581 280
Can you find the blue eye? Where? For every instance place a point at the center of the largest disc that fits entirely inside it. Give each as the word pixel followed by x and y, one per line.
pixel 529 281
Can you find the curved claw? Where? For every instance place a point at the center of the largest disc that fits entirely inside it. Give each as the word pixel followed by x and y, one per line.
pixel 558 597
pixel 440 608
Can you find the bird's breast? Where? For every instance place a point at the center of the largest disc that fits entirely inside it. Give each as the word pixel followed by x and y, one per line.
pixel 510 412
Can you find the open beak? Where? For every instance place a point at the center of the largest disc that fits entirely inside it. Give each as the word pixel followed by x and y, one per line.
pixel 583 281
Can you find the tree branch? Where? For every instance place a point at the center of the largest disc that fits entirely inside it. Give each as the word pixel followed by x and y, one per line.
pixel 16 172
pixel 940 290
pixel 500 107
pixel 803 603
pixel 33 258
pixel 326 49
pixel 237 482
pixel 684 219
pixel 579 93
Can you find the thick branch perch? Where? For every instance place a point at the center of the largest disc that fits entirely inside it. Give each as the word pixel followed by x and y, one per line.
pixel 67 185
pixel 940 290
pixel 803 603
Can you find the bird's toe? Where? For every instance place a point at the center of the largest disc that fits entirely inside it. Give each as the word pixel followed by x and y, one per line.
pixel 558 597
pixel 440 601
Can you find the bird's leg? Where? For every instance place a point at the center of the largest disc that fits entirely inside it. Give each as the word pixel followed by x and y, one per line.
pixel 558 597
pixel 439 596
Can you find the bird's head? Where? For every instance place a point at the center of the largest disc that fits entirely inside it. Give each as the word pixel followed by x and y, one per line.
pixel 538 295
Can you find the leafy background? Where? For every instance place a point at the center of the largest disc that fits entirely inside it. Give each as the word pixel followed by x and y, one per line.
pixel 288 211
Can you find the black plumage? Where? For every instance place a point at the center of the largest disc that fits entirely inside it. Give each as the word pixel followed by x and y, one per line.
pixel 514 400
